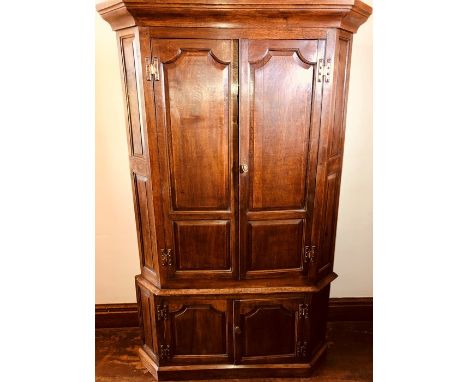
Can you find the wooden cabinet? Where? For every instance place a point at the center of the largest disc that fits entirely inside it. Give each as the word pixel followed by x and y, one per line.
pixel 194 330
pixel 197 125
pixel 269 330
pixel 280 105
pixel 235 118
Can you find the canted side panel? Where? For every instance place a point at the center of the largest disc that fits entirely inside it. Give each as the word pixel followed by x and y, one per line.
pixel 280 117
pixel 275 245
pixel 202 245
pixel 145 239
pixel 318 316
pixel 338 126
pixel 329 224
pixel 146 307
pixel 331 156
pixel 132 97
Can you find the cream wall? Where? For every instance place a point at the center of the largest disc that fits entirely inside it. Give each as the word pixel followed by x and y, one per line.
pixel 116 243
pixel 353 251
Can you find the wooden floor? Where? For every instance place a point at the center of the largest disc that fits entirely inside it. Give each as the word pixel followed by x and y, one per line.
pixel 349 356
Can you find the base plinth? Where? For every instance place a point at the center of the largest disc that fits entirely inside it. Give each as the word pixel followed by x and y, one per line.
pixel 189 372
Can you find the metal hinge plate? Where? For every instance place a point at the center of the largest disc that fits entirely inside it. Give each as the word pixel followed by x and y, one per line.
pixel 301 349
pixel 152 69
pixel 324 70
pixel 310 254
pixel 304 311
pixel 166 257
pixel 162 312
pixel 164 351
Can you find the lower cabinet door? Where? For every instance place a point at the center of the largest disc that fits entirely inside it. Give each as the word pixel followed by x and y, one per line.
pixel 270 330
pixel 194 330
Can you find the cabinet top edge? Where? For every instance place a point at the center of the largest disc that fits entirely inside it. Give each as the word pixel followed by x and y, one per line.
pixel 344 14
pixel 236 291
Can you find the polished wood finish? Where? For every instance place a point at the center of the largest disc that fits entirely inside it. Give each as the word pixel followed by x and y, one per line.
pixel 280 106
pixel 339 309
pixel 235 125
pixel 345 14
pixel 196 121
pixel 197 330
pixel 232 334
pixel 268 330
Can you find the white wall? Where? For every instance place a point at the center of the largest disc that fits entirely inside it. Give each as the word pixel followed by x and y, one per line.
pixel 116 243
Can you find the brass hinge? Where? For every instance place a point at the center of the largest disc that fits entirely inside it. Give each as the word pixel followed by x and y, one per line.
pixel 310 254
pixel 324 70
pixel 166 257
pixel 164 351
pixel 304 311
pixel 162 312
pixel 152 69
pixel 301 349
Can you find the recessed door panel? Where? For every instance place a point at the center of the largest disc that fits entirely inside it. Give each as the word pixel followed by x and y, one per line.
pixel 197 92
pixel 195 330
pixel 281 100
pixel 280 105
pixel 274 245
pixel 267 330
pixel 202 245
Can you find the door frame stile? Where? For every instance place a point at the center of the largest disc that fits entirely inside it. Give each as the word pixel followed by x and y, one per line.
pixel 244 120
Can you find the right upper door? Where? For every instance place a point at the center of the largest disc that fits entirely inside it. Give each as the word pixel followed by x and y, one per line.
pixel 280 107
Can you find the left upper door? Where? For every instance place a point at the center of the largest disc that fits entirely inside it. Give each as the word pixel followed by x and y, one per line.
pixel 196 103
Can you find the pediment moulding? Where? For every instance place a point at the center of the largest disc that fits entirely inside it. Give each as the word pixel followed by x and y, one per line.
pixel 344 14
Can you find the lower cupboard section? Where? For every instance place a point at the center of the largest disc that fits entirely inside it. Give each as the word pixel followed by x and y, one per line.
pixel 280 334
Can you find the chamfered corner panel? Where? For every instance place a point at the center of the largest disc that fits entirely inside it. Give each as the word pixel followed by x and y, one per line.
pixel 149 341
pixel 146 241
pixel 329 220
pixel 202 245
pixel 128 45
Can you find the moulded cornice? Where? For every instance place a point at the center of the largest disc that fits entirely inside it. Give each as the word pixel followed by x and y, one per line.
pixel 345 14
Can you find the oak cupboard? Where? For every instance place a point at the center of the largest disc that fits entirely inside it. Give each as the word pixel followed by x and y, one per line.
pixel 236 120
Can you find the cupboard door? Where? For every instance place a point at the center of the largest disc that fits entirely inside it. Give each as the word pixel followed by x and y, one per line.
pixel 280 101
pixel 269 330
pixel 194 330
pixel 196 112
